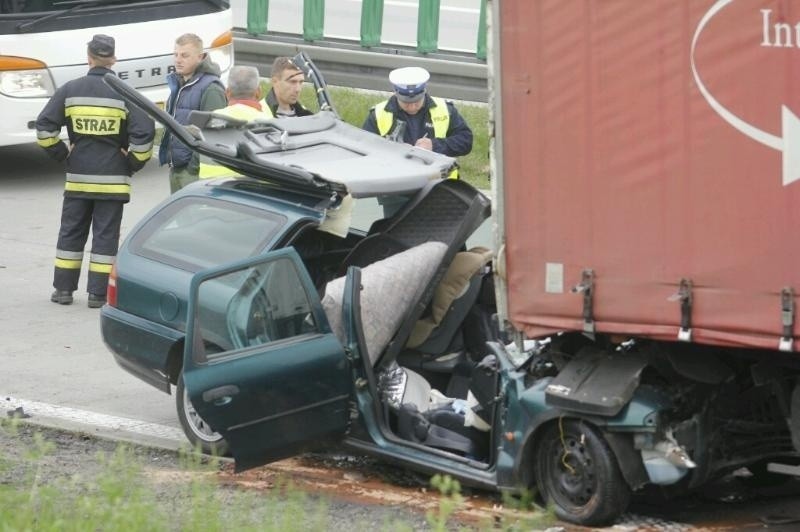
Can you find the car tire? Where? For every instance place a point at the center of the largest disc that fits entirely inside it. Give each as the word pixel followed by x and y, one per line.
pixel 577 473
pixel 199 434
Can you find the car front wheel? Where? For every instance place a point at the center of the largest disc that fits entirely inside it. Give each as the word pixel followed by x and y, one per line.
pixel 197 431
pixel 577 473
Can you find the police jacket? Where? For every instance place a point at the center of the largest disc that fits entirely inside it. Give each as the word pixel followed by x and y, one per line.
pixel 101 127
pixel 202 92
pixel 438 119
pixel 271 103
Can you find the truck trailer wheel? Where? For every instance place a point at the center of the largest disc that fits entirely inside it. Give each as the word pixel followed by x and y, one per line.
pixel 577 473
pixel 199 434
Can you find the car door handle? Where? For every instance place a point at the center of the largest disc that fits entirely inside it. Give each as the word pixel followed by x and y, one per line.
pixel 221 395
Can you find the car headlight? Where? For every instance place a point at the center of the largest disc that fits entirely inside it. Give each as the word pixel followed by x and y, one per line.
pixel 21 77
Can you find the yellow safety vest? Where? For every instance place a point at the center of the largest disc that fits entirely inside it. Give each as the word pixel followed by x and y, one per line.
pixel 209 168
pixel 439 114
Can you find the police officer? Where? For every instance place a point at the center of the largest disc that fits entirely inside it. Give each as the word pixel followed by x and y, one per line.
pixel 414 117
pixel 108 141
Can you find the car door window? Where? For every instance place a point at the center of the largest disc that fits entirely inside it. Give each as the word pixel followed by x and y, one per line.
pixel 248 308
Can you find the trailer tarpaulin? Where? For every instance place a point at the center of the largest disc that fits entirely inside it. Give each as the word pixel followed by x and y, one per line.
pixel 652 143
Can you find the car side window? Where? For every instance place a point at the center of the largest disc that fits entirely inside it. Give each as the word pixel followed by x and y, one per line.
pixel 253 307
pixel 194 233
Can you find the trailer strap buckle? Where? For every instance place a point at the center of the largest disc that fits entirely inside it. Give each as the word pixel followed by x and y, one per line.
pixel 587 287
pixel 684 295
pixel 787 319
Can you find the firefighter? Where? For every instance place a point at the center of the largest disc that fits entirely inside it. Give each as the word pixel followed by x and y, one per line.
pixel 109 140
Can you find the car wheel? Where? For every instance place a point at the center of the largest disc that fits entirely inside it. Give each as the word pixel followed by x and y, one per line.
pixel 577 473
pixel 199 434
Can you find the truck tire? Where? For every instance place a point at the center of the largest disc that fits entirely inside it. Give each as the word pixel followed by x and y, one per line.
pixel 196 430
pixel 577 473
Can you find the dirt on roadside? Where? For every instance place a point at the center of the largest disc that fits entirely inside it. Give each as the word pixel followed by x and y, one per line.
pixel 329 491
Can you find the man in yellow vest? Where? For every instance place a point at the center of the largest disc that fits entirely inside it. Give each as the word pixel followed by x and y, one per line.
pixel 243 94
pixel 414 117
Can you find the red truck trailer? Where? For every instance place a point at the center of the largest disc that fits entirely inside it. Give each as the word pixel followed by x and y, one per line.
pixel 646 175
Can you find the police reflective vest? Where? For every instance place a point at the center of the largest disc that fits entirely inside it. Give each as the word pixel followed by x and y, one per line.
pixel 101 128
pixel 209 168
pixel 439 115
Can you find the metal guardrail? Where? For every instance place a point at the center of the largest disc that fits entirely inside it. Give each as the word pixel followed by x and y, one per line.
pixel 455 76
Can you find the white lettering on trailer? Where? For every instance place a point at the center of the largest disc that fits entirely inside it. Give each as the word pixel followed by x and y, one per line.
pixel 783 32
pixel 788 142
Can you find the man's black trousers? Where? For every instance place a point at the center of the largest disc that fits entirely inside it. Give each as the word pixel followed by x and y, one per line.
pixel 104 217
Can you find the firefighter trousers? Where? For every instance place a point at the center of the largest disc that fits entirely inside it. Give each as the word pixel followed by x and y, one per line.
pixel 78 215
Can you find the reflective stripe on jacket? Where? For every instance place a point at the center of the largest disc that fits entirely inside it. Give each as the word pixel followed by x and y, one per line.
pixel 108 140
pixel 209 168
pixel 439 116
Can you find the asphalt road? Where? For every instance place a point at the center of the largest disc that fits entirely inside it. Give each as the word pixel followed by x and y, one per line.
pixel 52 353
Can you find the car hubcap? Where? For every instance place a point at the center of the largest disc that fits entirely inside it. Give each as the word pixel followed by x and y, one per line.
pixel 199 427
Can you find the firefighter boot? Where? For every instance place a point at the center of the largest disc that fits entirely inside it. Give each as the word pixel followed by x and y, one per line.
pixel 62 297
pixel 96 301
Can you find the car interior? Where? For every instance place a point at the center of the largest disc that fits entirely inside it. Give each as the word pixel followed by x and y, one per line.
pixel 426 306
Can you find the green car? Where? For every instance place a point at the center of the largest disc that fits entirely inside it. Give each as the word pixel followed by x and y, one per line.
pixel 286 327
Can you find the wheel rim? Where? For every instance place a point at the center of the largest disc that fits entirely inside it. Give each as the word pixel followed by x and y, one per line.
pixel 571 473
pixel 197 425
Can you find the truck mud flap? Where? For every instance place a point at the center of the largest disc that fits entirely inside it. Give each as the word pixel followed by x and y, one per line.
pixel 596 382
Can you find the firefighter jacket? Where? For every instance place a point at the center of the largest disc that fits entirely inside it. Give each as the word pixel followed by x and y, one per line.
pixel 210 168
pixel 109 139
pixel 270 103
pixel 202 92
pixel 438 119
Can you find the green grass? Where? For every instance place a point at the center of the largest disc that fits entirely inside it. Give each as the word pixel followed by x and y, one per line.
pixel 133 489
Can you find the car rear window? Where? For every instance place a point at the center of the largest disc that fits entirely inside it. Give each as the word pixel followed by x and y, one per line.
pixel 197 233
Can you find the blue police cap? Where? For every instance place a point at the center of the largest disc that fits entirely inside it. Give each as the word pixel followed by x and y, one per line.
pixel 409 83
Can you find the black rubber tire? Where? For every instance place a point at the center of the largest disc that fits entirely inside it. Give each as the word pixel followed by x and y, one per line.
pixel 197 432
pixel 577 473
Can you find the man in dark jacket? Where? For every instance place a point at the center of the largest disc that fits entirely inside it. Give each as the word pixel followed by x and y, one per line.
pixel 283 97
pixel 194 86
pixel 108 141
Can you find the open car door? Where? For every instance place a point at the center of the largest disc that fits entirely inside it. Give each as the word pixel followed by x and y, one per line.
pixel 261 365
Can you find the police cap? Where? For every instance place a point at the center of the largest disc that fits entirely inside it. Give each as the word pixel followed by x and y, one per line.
pixel 101 45
pixel 409 83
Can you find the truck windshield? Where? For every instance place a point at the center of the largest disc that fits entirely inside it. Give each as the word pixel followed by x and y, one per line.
pixel 75 5
pixel 25 16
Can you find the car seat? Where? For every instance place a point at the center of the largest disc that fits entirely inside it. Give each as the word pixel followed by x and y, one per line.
pixel 436 342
